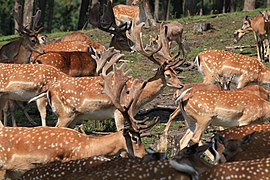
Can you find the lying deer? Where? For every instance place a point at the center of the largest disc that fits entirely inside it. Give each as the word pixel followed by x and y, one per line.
pixel 40 145
pixel 245 69
pixel 238 149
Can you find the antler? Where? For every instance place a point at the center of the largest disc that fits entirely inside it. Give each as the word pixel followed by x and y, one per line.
pixel 125 99
pixel 35 19
pixel 107 20
pixel 17 15
pixel 106 59
pixel 135 35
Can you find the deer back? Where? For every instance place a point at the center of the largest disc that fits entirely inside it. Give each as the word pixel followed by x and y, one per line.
pixel 83 37
pixel 245 69
pixel 71 63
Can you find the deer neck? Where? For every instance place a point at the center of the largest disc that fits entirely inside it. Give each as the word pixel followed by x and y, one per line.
pixel 153 88
pixel 106 145
pixel 23 56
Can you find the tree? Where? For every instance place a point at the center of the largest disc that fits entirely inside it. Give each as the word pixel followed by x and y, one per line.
pixel 268 4
pixel 249 5
pixel 50 14
pixel 83 12
pixel 28 12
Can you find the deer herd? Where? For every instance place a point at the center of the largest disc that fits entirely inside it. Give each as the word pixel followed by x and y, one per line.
pixel 82 80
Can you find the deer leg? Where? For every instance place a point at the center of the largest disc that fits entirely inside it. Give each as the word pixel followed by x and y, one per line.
pixel 25 113
pixel 5 113
pixel 164 138
pixel 12 110
pixel 257 46
pixel 66 121
pixel 119 120
pixel 41 105
pixel 172 116
pixel 200 127
pixel 185 139
pixel 3 102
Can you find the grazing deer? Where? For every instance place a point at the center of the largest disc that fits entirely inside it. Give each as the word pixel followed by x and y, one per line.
pixel 47 144
pixel 106 22
pixel 120 168
pixel 222 108
pixel 173 31
pixel 62 170
pixel 257 25
pixel 245 69
pixel 195 87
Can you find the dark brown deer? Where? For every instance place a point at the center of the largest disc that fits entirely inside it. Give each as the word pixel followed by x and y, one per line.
pixel 106 22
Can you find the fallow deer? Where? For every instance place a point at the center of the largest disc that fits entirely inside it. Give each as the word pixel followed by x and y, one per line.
pixel 19 51
pixel 239 132
pixel 40 145
pixel 122 168
pixel 106 22
pixel 257 25
pixel 245 69
pixel 222 108
pixel 83 37
pixel 235 146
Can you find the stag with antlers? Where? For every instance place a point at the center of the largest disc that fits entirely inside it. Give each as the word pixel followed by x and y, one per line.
pixel 106 22
pixel 40 145
pixel 73 100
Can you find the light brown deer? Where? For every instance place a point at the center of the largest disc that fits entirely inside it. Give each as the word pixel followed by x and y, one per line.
pixel 245 69
pixel 257 25
pixel 83 37
pixel 221 108
pixel 21 82
pixel 239 132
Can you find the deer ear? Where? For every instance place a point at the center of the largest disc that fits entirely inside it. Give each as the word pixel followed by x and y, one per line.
pixel 247 138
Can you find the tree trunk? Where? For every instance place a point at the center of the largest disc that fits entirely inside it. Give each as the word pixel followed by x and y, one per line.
pixel 156 10
pixel 128 2
pixel 28 12
pixel 150 20
pixel 233 6
pixel 42 7
pixel 83 12
pixel 189 7
pixel 50 15
pixel 178 8
pixel 20 18
pixel 168 10
pixel 201 8
pixel 249 5
pixel 268 4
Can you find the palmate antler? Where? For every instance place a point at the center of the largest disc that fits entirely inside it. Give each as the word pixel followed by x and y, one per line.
pixel 106 59
pixel 124 98
pixel 159 55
